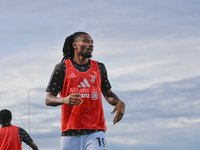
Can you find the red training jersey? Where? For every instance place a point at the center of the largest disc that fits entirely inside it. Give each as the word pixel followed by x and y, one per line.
pixel 9 138
pixel 89 114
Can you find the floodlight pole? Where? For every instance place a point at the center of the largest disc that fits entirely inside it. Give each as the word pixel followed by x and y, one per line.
pixel 29 112
pixel 29 130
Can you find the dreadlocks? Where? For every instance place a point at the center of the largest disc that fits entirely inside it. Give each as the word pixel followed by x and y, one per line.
pixel 68 50
pixel 5 117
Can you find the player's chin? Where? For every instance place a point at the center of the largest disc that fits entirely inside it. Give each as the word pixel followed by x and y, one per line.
pixel 87 55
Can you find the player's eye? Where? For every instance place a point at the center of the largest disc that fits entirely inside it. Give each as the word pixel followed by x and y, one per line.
pixel 86 41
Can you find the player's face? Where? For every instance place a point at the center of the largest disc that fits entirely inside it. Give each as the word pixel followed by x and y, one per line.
pixel 83 46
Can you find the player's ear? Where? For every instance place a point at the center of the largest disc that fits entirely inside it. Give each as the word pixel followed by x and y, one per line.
pixel 74 45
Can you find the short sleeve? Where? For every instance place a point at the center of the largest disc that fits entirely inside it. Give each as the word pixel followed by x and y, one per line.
pixel 24 136
pixel 105 84
pixel 57 78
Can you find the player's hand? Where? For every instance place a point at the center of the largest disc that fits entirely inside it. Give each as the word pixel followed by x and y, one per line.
pixel 72 99
pixel 119 109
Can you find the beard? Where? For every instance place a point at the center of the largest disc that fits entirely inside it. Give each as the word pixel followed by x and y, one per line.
pixel 86 55
pixel 85 52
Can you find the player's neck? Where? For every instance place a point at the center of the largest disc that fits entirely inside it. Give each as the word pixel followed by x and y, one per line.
pixel 81 60
pixel 6 125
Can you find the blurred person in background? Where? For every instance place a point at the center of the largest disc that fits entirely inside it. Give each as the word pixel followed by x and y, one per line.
pixel 11 136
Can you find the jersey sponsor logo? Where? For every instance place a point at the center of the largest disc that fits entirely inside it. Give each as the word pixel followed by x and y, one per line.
pixel 85 95
pixel 84 83
pixel 79 90
pixel 85 92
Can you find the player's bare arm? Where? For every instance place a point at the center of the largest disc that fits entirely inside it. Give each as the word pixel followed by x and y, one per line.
pixel 112 99
pixel 53 100
pixel 33 146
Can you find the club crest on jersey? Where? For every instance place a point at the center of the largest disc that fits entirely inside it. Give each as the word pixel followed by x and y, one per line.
pixel 92 78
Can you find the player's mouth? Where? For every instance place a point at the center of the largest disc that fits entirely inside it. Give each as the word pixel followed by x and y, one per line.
pixel 90 50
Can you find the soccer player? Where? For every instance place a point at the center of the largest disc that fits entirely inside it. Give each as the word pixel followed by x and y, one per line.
pixel 80 81
pixel 12 136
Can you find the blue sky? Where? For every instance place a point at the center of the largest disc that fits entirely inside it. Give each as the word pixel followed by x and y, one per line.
pixel 150 48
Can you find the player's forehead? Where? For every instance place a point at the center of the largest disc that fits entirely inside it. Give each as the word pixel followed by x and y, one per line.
pixel 84 36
